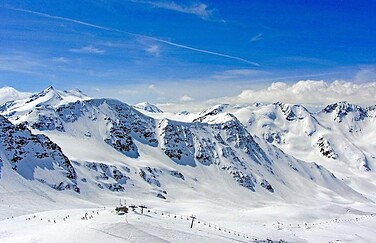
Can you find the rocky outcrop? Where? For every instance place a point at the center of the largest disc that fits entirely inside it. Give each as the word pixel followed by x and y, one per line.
pixel 32 156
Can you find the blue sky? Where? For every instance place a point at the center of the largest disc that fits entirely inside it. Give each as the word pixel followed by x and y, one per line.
pixel 165 51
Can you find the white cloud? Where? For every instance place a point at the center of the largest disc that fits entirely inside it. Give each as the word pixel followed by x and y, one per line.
pixel 185 98
pixel 39 66
pixel 198 9
pixel 366 75
pixel 242 72
pixel 309 92
pixel 182 93
pixel 90 49
pixel 191 96
pixel 307 59
pixel 60 59
pixel 154 50
pixel 238 74
pixel 257 37
pixel 20 62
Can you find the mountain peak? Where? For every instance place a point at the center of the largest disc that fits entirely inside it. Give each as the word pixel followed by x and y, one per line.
pixel 49 97
pixel 46 95
pixel 292 112
pixel 49 88
pixel 343 108
pixel 148 107
pixel 11 94
pixel 73 95
pixel 214 110
pixel 341 105
pixel 75 91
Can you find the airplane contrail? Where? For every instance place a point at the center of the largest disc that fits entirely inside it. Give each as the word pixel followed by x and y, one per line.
pixel 205 51
pixel 63 18
pixel 134 34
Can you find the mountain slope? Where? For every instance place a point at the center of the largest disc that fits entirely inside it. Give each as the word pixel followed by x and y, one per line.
pixel 253 165
pixel 214 141
pixel 340 137
pixel 35 157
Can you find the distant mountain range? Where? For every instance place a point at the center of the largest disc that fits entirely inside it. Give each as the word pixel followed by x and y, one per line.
pixel 65 140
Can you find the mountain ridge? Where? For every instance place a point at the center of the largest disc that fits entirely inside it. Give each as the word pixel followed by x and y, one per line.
pixel 216 138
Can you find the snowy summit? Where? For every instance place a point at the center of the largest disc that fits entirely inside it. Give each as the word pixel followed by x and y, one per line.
pixel 148 107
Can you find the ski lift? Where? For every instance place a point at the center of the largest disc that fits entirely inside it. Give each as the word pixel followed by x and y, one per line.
pixel 121 210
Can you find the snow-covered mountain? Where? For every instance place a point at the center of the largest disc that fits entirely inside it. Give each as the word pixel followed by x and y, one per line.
pixel 147 107
pixel 340 137
pixel 35 157
pixel 215 139
pixel 64 140
pixel 10 94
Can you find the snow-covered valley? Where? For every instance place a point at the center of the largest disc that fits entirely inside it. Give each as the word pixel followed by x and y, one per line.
pixel 264 171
